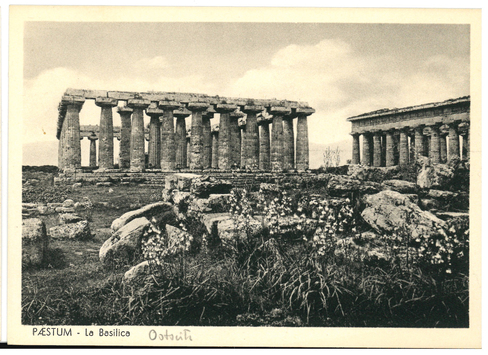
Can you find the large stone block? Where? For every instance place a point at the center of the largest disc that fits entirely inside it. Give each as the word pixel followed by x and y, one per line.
pixel 388 211
pixel 148 211
pixel 79 231
pixel 34 242
pixel 339 185
pixel 122 246
pixel 401 186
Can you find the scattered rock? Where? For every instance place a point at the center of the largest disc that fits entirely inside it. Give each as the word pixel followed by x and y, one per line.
pixel 210 220
pixel 34 242
pixel 65 209
pixel 107 183
pixel 204 189
pixel 135 273
pixel 429 204
pixel 121 247
pixel 230 234
pixel 79 231
pixel 340 185
pixel 444 195
pixel 450 215
pixel 77 185
pixel 389 210
pixel 369 173
pixel 436 176
pixel 66 218
pixel 219 202
pixel 185 181
pixel 68 203
pixel 402 186
pixel 199 205
pixel 147 211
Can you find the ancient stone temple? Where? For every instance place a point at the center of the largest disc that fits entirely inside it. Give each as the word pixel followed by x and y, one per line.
pixel 439 131
pixel 242 139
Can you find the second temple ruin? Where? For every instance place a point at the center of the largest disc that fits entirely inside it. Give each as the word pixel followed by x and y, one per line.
pixel 242 139
pixel 399 136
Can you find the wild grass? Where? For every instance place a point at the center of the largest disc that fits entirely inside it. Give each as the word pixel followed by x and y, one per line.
pixel 276 277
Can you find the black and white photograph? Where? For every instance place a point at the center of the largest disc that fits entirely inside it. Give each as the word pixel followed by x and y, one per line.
pixel 183 170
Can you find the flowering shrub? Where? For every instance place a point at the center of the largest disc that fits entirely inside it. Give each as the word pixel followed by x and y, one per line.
pixel 448 252
pixel 334 219
pixel 157 246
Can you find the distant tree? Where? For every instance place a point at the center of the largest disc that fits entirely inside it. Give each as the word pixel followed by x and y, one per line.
pixel 332 157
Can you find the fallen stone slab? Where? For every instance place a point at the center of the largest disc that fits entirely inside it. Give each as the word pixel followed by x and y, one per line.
pixel 147 211
pixel 402 186
pixel 137 272
pixel 79 231
pixel 121 247
pixel 388 211
pixel 340 185
pixel 66 218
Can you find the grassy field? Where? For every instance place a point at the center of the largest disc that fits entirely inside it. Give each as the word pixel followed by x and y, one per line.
pixel 266 280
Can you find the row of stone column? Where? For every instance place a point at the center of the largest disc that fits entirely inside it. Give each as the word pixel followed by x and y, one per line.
pixel 402 146
pixel 168 145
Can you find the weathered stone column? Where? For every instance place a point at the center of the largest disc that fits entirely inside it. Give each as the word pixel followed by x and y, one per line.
pixel 463 130
pixel 251 138
pixel 72 146
pixel 435 152
pixel 93 151
pixel 207 137
pixel 390 148
pixel 367 145
pixel 426 141
pixel 168 142
pixel 225 161
pixel 62 136
pixel 154 146
pixel 106 133
pixel 196 137
pixel 396 147
pixel 376 148
pixel 403 147
pixel 443 131
pixel 264 145
pixel 242 134
pixel 302 148
pixel 411 147
pixel 356 155
pixel 453 142
pixel 215 146
pixel 137 149
pixel 277 136
pixel 188 148
pixel 125 134
pixel 383 149
pixel 288 142
pixel 235 139
pixel 180 137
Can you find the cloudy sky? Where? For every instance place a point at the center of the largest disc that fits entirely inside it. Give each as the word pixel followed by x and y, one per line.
pixel 339 69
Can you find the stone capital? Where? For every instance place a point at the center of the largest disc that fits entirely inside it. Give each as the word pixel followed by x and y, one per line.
pixel 463 128
pixel 73 100
pixel 444 130
pixel 92 138
pixel 153 111
pixel 242 122
pixel 279 110
pixel 252 109
pixel 138 103
pixel 169 105
pixel 304 111
pixel 182 111
pixel 105 102
pixel 124 109
pixel 197 106
pixel 225 108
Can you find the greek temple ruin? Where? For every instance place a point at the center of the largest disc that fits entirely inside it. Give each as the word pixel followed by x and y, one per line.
pixel 399 136
pixel 242 139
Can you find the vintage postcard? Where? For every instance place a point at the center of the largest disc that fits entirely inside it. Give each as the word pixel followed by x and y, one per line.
pixel 286 177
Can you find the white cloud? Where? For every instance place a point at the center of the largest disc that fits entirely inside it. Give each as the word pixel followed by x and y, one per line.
pixel 339 83
pixel 152 63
